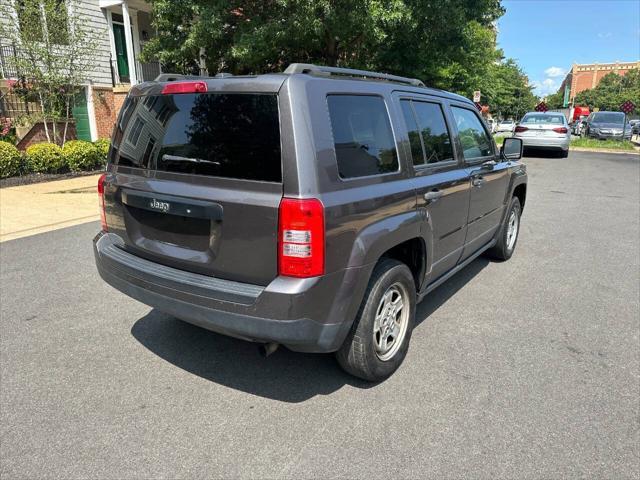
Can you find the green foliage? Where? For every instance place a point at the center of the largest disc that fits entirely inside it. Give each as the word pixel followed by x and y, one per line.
pixel 604 144
pixel 506 90
pixel 102 144
pixel 612 91
pixel 45 158
pixel 55 51
pixel 447 43
pixel 10 160
pixel 80 155
pixel 556 100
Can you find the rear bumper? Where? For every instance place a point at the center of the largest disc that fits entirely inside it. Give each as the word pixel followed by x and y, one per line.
pixel 543 142
pixel 310 315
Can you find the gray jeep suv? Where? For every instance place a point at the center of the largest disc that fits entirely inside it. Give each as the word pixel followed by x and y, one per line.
pixel 311 208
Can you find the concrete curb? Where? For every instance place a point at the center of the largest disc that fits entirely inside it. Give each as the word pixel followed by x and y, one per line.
pixel 605 150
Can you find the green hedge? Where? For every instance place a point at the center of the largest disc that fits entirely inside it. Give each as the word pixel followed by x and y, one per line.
pixel 102 145
pixel 10 160
pixel 80 155
pixel 45 158
pixel 75 156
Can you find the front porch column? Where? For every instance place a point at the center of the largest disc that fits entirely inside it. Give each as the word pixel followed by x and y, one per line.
pixel 131 58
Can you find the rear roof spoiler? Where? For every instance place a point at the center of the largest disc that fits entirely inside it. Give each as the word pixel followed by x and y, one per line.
pixel 172 77
pixel 321 70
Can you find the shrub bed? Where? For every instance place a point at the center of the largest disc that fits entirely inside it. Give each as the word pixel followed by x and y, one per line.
pixel 103 144
pixel 10 160
pixel 75 156
pixel 45 158
pixel 80 155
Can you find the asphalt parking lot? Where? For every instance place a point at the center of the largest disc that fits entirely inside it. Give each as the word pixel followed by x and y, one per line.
pixel 523 369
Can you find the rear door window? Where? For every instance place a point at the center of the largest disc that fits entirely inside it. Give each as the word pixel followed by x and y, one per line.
pixel 362 135
pixel 415 142
pixel 213 134
pixel 435 136
pixel 428 134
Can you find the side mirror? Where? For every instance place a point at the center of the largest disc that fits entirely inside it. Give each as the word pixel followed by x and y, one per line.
pixel 511 149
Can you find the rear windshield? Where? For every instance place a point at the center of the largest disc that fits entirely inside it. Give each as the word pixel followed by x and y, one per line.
pixel 221 135
pixel 609 117
pixel 543 119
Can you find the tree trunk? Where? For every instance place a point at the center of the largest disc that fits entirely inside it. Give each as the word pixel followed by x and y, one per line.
pixel 44 117
pixel 66 122
pixel 331 50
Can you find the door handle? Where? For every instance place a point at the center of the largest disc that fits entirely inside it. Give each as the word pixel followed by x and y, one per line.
pixel 478 181
pixel 433 196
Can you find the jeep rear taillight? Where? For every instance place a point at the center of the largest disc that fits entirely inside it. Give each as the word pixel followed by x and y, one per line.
pixel 301 238
pixel 103 216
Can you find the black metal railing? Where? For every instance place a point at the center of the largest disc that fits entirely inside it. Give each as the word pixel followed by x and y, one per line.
pixel 147 71
pixel 14 106
pixel 8 57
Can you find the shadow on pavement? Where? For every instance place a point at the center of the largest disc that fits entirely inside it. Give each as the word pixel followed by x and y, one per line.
pixel 286 376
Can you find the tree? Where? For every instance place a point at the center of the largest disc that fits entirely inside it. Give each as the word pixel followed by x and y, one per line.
pixel 556 100
pixel 54 49
pixel 612 91
pixel 446 43
pixel 506 90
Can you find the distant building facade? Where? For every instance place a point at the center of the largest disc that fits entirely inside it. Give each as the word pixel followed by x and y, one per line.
pixel 585 76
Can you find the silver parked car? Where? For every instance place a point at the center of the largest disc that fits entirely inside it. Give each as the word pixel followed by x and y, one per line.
pixel 545 130
pixel 506 126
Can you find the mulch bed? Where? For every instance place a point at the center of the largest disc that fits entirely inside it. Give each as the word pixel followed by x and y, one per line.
pixel 30 178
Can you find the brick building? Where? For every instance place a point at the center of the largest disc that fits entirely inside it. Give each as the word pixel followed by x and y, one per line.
pixel 585 76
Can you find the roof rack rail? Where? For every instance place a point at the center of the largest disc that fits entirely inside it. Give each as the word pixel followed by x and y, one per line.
pixel 172 77
pixel 349 72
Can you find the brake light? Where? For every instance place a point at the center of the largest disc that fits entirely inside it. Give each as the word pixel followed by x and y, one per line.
pixel 301 238
pixel 560 130
pixel 184 87
pixel 521 129
pixel 103 215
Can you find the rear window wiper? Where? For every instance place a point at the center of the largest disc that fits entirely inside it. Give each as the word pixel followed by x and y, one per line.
pixel 177 158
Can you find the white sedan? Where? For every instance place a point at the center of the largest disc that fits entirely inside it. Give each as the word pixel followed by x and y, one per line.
pixel 545 130
pixel 506 126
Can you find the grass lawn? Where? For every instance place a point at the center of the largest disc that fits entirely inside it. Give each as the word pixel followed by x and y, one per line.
pixel 586 143
pixel 605 144
pixel 500 139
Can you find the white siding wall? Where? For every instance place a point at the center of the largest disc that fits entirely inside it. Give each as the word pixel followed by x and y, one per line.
pixel 101 72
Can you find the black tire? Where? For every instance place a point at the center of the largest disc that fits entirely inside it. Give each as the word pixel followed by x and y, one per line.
pixel 358 355
pixel 502 250
pixel 564 153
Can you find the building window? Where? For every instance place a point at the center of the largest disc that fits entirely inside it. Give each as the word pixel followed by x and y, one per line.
pixel 134 133
pixel 39 17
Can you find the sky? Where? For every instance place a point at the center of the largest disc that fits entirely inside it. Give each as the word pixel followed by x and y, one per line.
pixel 547 36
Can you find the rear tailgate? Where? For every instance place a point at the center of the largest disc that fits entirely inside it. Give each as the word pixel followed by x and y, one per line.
pixel 543 125
pixel 196 181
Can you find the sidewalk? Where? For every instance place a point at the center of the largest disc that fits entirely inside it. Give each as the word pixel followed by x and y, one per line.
pixel 41 207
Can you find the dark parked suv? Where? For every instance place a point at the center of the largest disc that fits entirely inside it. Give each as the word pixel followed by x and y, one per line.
pixel 311 208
